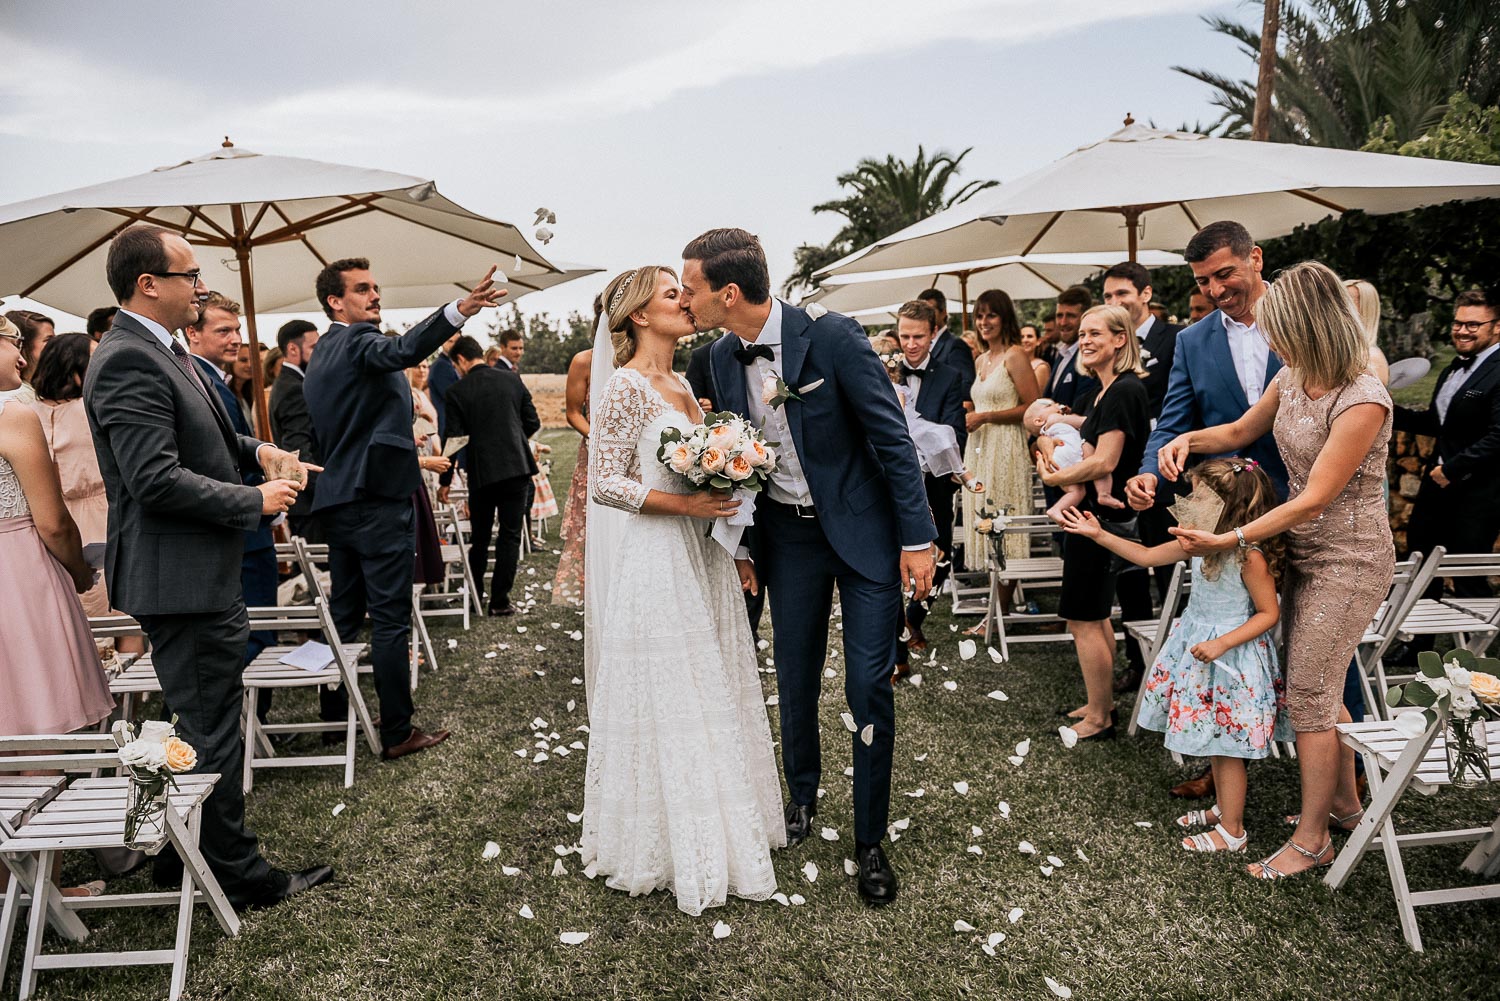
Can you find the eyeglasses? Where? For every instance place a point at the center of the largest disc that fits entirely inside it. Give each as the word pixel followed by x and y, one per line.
pixel 196 277
pixel 1470 327
pixel 14 339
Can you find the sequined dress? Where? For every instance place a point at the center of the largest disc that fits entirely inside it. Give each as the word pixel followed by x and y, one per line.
pixel 996 455
pixel 1339 565
pixel 567 586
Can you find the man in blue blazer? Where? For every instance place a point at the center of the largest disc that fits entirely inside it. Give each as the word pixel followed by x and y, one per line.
pixel 949 350
pixel 938 398
pixel 844 506
pixel 361 409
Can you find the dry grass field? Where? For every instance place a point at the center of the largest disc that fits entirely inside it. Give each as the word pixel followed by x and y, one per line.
pixel 547 393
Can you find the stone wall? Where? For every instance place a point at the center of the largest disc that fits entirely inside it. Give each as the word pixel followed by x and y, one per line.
pixel 1409 453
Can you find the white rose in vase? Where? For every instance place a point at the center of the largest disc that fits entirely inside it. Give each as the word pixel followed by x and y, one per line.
pixel 1463 703
pixel 156 731
pixel 1458 676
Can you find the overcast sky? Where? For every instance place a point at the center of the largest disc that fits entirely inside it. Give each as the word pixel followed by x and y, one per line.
pixel 640 124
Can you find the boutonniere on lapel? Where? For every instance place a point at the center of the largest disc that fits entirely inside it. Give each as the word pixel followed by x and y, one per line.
pixel 774 392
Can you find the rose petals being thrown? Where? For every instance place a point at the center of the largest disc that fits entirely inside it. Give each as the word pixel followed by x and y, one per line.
pixel 962 788
pixel 967 649
pixel 1004 809
pixel 962 927
pixel 998 696
pixel 1026 848
pixel 721 930
pixel 491 851
pixel 574 937
pixel 867 735
pixel 829 834
pixel 1058 989
pixel 1069 736
pixel 525 912
pixel 952 686
pixel 810 870
pixel 1014 915
pixel 849 723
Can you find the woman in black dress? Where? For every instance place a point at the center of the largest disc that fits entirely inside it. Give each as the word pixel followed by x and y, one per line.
pixel 1118 421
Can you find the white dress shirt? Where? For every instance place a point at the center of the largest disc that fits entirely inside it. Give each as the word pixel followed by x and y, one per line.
pixel 1455 382
pixel 914 373
pixel 1251 352
pixel 788 484
pixel 294 368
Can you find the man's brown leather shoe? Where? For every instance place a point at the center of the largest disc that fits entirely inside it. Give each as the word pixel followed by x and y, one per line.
pixel 415 741
pixel 1198 788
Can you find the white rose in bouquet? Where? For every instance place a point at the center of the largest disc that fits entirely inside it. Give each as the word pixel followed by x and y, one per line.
pixel 738 468
pixel 681 458
pixel 757 453
pixel 697 476
pixel 1464 703
pixel 156 731
pixel 1458 677
pixel 724 436
pixel 148 754
pixel 713 459
pixel 1440 686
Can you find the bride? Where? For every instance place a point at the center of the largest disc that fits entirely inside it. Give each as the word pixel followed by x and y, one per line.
pixel 681 789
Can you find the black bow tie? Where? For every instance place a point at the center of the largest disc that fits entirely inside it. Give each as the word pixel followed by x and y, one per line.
pixel 910 371
pixel 747 356
pixel 1463 363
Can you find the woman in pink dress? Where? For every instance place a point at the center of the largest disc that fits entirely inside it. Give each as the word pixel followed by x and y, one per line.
pixel 567 586
pixel 50 677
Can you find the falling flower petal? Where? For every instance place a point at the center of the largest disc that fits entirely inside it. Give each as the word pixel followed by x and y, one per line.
pixel 721 930
pixel 962 927
pixel 525 912
pixel 1069 735
pixel 849 723
pixel 574 937
pixel 491 851
pixel 815 310
pixel 1015 915
pixel 517 265
pixel 810 870
pixel 829 834
pixel 1004 808
pixel 1058 989
pixel 543 235
pixel 967 649
pixel 850 869
pixel 867 735
pixel 1026 848
pixel 962 788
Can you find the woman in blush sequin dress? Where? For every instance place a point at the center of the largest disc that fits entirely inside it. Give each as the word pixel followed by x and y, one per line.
pixel 1332 423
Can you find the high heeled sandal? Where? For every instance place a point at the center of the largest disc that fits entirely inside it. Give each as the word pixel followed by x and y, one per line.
pixel 1205 842
pixel 1336 824
pixel 1269 871
pixel 1199 818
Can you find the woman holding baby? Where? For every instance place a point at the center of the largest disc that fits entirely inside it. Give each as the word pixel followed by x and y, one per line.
pixel 1115 427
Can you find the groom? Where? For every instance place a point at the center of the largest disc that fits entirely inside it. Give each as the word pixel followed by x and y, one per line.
pixel 844 506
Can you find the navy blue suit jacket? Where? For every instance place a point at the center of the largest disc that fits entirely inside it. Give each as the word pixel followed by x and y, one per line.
pixel 1204 391
pixel 1070 388
pixel 850 435
pixel 259 537
pixel 361 408
pixel 955 354
pixel 441 377
pixel 940 398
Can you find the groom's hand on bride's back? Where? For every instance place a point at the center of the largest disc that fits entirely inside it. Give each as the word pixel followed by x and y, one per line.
pixel 917 567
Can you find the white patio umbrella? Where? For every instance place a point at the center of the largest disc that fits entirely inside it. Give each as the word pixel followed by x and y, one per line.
pixel 1144 188
pixel 265 225
pixel 1041 276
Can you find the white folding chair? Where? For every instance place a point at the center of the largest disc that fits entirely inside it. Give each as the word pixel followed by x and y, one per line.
pixel 1152 634
pixel 1394 764
pixel 90 813
pixel 1410 577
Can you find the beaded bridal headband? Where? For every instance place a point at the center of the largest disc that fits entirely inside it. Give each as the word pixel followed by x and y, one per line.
pixel 614 300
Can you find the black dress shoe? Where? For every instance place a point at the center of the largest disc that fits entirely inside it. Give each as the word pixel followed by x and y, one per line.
pixel 500 611
pixel 877 880
pixel 798 823
pixel 280 886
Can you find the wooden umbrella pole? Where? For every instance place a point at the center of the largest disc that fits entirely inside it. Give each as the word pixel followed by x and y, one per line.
pixel 1132 237
pixel 247 293
pixel 963 296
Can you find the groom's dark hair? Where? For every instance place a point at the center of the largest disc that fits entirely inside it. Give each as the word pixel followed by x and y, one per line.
pixel 732 256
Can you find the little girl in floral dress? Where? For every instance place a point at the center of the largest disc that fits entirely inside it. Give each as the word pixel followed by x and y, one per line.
pixel 1216 688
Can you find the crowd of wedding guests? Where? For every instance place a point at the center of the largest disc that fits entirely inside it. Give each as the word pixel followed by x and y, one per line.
pixel 1272 396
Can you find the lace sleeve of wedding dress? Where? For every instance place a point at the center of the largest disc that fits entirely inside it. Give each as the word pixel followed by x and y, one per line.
pixel 614 462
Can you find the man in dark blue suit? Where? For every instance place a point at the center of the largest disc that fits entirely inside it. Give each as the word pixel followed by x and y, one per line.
pixel 939 398
pixel 948 350
pixel 213 342
pixel 1067 386
pixel 844 506
pixel 361 408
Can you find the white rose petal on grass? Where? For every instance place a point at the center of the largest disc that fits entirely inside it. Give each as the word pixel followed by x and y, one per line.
pixel 780 897
pixel 520 629
pixel 572 705
pixel 338 809
pixel 976 831
pixel 573 937
pixel 829 834
pixel 914 680
pixel 577 745
pixel 867 735
pixel 721 930
pixel 762 644
pixel 562 851
pixel 540 674
pixel 562 752
pixel 810 870
pixel 526 912
pixel 998 696
pixel 962 927
pixel 952 686
pixel 921 757
pixel 962 788
pixel 1016 760
pixel 521 752
pixel 994 938
pixel 773 700
pixel 1046 870
pixel 558 869
pixel 829 672
pixel 849 723
pixel 850 869
pixel 1143 823
pixel 918 794
pixel 453 644
pixel 539 758
pixel 995 655
pixel 491 655
pixel 974 850
pixel 798 900
pixel 1024 747
pixel 575 635
pixel 1004 809
pixel 1014 915
pixel 591 870
pixel 1081 856
pixel 987 949
pixel 1026 848
pixel 540 648
pixel 902 824
pixel 967 649
pixel 849 772
pixel 1069 736
pixel 491 851
pixel 1058 989
pixel 1054 861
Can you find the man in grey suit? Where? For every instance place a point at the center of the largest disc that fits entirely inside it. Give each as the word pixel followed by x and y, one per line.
pixel 178 511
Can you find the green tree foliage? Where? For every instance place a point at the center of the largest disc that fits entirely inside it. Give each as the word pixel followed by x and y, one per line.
pixel 1348 67
pixel 883 196
pixel 1468 132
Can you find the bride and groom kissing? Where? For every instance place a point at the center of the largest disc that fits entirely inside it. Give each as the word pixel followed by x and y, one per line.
pixel 681 788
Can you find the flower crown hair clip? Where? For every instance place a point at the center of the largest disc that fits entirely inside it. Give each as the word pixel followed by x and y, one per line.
pixel 1248 464
pixel 614 300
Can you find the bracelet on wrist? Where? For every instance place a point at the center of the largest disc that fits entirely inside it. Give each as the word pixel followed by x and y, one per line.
pixel 1240 535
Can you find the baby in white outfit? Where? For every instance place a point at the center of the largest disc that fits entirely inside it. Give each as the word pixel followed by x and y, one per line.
pixel 1049 419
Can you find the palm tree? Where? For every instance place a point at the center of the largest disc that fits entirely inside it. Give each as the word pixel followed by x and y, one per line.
pixel 1346 66
pixel 885 196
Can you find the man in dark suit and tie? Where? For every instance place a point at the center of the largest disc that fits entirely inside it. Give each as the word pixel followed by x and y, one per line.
pixel 361 407
pixel 1458 504
pixel 493 407
pixel 948 350
pixel 173 470
pixel 938 398
pixel 1067 386
pixel 291 424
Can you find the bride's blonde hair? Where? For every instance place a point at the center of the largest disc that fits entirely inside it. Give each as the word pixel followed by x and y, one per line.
pixel 627 292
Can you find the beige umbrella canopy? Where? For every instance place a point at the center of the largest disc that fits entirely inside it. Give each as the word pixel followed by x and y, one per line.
pixel 263 226
pixel 1143 188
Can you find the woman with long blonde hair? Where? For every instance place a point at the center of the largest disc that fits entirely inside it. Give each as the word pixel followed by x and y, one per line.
pixel 1332 422
pixel 1366 302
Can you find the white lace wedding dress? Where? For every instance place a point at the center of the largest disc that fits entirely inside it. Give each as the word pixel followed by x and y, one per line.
pixel 682 788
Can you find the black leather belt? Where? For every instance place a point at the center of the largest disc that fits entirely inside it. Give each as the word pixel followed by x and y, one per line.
pixel 800 510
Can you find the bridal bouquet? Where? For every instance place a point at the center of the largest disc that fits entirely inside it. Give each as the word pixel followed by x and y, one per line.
pixel 153 756
pixel 725 452
pixel 1457 684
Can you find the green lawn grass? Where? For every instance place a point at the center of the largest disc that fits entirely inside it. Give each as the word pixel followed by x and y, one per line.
pixel 415 912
